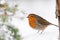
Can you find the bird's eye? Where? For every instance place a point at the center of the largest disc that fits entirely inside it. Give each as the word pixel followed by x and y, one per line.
pixel 31 16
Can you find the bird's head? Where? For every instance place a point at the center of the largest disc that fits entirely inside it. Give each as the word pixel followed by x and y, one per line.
pixel 31 15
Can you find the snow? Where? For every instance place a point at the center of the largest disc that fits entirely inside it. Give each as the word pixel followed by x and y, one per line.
pixel 43 8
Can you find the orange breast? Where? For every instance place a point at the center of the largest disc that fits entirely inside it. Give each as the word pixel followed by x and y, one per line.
pixel 32 22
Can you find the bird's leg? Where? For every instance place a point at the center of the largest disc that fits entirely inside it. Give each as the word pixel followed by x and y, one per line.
pixel 42 31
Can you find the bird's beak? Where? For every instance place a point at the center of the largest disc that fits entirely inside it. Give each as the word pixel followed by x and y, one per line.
pixel 27 17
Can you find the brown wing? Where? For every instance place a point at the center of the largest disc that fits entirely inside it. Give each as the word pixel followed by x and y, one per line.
pixel 42 21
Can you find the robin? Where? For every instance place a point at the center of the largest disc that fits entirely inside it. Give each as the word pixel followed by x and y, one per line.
pixel 37 22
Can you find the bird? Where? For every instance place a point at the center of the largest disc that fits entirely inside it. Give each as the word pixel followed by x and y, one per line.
pixel 38 23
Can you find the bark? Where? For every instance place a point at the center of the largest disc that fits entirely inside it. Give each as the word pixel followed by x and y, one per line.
pixel 58 14
pixel 59 26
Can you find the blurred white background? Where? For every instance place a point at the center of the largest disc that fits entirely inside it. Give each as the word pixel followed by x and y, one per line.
pixel 43 8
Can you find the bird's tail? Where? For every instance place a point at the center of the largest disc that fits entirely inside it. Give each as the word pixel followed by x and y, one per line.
pixel 55 25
